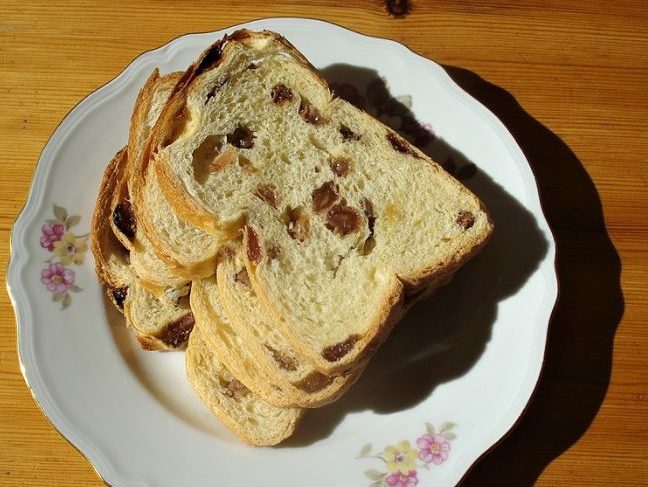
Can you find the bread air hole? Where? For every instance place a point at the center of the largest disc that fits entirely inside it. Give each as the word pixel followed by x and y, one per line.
pixel 283 361
pixel 297 223
pixel 204 158
pixel 348 134
pixel 370 242
pixel 177 125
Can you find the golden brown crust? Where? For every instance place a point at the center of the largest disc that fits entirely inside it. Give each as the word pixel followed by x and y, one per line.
pixel 138 176
pixel 101 235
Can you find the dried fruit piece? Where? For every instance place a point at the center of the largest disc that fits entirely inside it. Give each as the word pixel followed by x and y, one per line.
pixel 222 160
pixel 298 224
pixel 242 277
pixel 281 94
pixel 340 166
pixel 311 114
pixel 466 219
pixel 274 251
pixel 119 295
pixel 124 219
pixel 267 193
pixel 335 352
pixel 242 137
pixel 177 333
pixel 348 134
pixel 343 219
pixel 316 381
pixel 235 389
pixel 401 145
pixel 254 250
pixel 284 362
pixel 325 196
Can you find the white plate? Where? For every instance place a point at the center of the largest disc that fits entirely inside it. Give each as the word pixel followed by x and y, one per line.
pixel 464 363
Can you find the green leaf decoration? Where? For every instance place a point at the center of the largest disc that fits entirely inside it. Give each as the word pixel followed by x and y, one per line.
pixel 449 436
pixel 365 450
pixel 67 301
pixel 375 474
pixel 446 427
pixel 430 428
pixel 75 288
pixel 378 483
pixel 73 220
pixel 54 221
pixel 57 296
pixel 60 212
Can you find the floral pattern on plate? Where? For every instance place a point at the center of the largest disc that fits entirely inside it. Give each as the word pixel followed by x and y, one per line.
pixel 66 249
pixel 402 460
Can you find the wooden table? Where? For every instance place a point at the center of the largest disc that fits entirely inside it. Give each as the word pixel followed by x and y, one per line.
pixel 568 78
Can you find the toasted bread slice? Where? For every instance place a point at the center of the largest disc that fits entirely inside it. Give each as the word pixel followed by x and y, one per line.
pixel 341 215
pixel 251 418
pixel 158 324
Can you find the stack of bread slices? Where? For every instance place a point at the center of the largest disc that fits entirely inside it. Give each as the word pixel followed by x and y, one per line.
pixel 274 231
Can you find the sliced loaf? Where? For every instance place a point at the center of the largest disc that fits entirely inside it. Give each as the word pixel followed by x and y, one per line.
pixel 341 216
pixel 251 348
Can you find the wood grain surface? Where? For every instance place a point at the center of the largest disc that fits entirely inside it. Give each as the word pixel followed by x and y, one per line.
pixel 568 78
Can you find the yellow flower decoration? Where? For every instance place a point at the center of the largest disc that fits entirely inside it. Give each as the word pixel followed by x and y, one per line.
pixel 70 249
pixel 400 457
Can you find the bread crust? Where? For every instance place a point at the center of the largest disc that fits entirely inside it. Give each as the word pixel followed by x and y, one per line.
pixel 201 363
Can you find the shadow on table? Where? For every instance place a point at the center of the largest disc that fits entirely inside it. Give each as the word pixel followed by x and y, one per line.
pixel 579 353
pixel 441 338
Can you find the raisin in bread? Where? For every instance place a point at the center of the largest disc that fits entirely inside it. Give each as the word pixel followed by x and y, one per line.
pixel 251 418
pixel 233 323
pixel 341 215
pixel 157 324
pixel 190 252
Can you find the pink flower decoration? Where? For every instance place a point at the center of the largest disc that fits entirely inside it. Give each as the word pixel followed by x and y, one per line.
pixel 51 234
pixel 433 448
pixel 398 479
pixel 57 278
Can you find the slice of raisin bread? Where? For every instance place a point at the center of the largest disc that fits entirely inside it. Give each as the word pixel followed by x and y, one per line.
pixel 252 350
pixel 190 252
pixel 247 415
pixel 157 324
pixel 341 215
pixel 295 376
